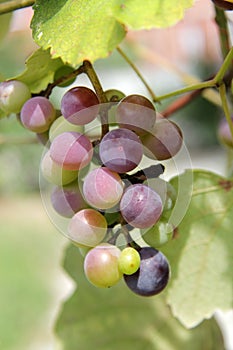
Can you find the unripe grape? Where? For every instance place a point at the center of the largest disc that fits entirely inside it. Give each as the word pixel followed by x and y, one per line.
pixel 101 265
pixel 63 71
pixel 129 261
pixel 114 95
pixel 54 173
pixel 37 114
pixel 13 94
pixel 61 125
pixel 87 228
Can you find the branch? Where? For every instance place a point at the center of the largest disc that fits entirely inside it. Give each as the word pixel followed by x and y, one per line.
pixel 221 21
pixel 13 5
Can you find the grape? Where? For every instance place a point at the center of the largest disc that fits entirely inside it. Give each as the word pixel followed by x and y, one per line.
pixel 102 188
pixel 224 133
pixel 159 234
pixel 67 200
pixel 140 206
pixel 136 113
pixel 37 114
pixel 87 228
pixel 63 71
pixel 55 174
pixel 101 265
pixel 71 150
pixel 80 105
pixel 120 150
pixel 164 141
pixel 114 95
pixel 152 276
pixel 61 125
pixel 129 261
pixel 13 94
pixel 166 191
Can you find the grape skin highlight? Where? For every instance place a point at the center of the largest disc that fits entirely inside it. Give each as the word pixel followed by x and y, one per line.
pixel 121 150
pixel 152 276
pixel 141 206
pixel 102 188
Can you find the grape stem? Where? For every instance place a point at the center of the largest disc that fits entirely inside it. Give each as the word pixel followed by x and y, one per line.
pixel 9 6
pixel 223 95
pixel 220 19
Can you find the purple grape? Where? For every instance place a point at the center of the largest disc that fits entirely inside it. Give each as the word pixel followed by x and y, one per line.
pixel 37 114
pixel 153 274
pixel 164 141
pixel 141 206
pixel 137 113
pixel 67 200
pixel 121 150
pixel 80 105
pixel 71 150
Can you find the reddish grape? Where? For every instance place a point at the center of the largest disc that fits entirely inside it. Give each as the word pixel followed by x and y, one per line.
pixel 137 113
pixel 80 105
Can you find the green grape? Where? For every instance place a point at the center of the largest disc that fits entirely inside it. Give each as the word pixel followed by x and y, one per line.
pixel 63 71
pixel 129 261
pixel 13 95
pixel 114 95
pixel 54 173
pixel 159 234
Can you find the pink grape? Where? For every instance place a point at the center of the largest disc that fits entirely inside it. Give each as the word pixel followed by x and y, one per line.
pixel 137 113
pixel 67 200
pixel 37 114
pixel 87 228
pixel 80 105
pixel 102 188
pixel 164 141
pixel 101 265
pixel 71 150
pixel 121 150
pixel 141 206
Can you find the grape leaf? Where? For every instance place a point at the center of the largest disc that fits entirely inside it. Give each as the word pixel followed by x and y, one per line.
pixel 40 69
pixel 201 256
pixel 118 319
pixel 91 29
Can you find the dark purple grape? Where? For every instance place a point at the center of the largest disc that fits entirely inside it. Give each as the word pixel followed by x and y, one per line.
pixel 153 274
pixel 121 150
pixel 80 105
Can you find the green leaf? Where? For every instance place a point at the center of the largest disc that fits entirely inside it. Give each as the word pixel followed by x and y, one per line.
pixel 5 23
pixel 201 255
pixel 40 69
pixel 117 319
pixel 91 29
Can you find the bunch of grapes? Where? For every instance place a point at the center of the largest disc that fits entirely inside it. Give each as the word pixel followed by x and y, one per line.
pixel 93 160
